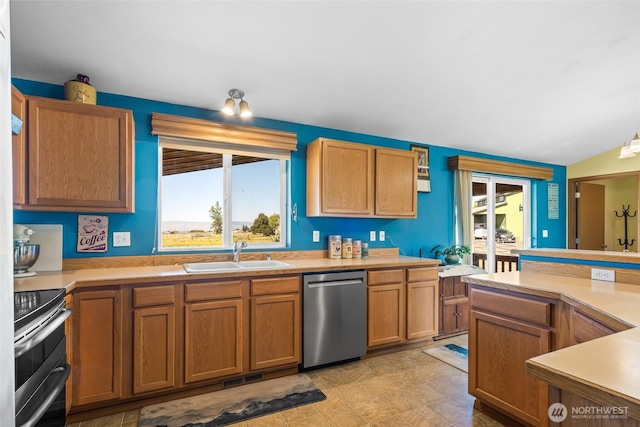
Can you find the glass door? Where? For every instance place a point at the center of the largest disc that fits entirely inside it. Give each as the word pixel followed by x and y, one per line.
pixel 501 221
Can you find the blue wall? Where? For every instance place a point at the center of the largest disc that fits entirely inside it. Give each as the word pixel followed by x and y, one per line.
pixel 433 226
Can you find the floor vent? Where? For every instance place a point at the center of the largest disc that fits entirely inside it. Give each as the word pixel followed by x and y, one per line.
pixel 234 382
pixel 254 377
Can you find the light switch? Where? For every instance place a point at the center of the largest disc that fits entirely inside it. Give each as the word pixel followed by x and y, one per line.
pixel 316 235
pixel 545 233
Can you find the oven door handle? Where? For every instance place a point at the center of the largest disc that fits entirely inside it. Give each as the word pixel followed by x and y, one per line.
pixel 22 348
pixel 61 371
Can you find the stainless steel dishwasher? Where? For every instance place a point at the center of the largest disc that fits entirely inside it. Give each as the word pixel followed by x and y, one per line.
pixel 335 317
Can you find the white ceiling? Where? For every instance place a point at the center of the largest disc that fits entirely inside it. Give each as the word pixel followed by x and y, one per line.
pixel 550 81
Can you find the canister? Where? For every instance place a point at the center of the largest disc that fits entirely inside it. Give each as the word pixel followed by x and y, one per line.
pixel 80 90
pixel 357 249
pixel 335 246
pixel 365 250
pixel 347 247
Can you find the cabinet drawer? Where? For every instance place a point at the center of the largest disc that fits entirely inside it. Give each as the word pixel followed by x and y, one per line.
pixel 153 295
pixel 512 306
pixel 586 329
pixel 275 285
pixel 212 290
pixel 422 274
pixel 384 277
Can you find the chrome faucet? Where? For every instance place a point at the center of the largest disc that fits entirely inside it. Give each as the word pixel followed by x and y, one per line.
pixel 237 248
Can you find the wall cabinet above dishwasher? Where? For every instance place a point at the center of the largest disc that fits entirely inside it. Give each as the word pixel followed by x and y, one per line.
pixel 76 157
pixel 346 179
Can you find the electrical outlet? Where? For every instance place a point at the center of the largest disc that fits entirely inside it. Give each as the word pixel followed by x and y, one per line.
pixel 602 274
pixel 545 233
pixel 372 236
pixel 121 238
pixel 316 235
pixel 382 236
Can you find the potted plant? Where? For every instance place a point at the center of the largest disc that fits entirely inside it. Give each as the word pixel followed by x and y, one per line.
pixel 451 254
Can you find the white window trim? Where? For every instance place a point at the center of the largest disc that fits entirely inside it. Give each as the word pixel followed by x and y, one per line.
pixel 227 150
pixel 491 181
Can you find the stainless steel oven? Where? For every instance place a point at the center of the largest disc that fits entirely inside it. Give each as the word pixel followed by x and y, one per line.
pixel 41 368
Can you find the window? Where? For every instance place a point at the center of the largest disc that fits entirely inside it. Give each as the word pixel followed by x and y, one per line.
pixel 212 194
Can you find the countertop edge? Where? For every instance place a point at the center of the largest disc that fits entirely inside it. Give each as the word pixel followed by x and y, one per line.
pixel 581 254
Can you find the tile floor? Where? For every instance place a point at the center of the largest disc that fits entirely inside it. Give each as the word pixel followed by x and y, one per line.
pixel 407 388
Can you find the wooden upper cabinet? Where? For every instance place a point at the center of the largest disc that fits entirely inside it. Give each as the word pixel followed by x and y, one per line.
pixel 339 178
pixel 80 157
pixel 396 183
pixel 19 146
pixel 346 179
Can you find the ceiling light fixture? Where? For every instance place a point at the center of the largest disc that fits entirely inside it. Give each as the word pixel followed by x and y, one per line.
pixel 625 151
pixel 230 104
pixel 630 148
pixel 635 143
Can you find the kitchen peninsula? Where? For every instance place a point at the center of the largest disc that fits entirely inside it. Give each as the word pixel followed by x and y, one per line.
pixel 537 339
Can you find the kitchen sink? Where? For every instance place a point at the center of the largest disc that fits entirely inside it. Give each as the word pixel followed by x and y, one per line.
pixel 265 263
pixel 225 266
pixel 207 267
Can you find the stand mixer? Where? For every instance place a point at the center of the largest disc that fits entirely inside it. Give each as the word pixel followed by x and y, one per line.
pixel 25 254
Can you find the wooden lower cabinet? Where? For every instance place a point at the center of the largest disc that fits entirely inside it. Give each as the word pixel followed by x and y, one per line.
pixel 154 338
pixel 422 303
pixel 385 307
pixel 454 306
pixel 498 349
pixel 97 346
pixel 212 339
pixel 276 338
pixel 401 306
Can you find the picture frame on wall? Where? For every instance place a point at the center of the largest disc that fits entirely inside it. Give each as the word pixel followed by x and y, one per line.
pixel 424 177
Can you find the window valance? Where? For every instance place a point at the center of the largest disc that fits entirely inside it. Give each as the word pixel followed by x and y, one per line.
pixel 207 130
pixel 476 164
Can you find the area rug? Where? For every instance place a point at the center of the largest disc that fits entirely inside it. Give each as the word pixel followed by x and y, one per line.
pixel 453 353
pixel 233 405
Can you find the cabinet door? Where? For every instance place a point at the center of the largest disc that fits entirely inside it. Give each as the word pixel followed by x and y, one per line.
pixel 275 330
pixel 339 178
pixel 462 312
pixel 213 339
pixel 19 147
pixel 422 312
pixel 80 156
pixel 154 358
pixel 498 349
pixel 385 314
pixel 449 316
pixel 396 183
pixel 97 346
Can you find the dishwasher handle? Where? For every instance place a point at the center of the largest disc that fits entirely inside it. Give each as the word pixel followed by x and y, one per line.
pixel 330 283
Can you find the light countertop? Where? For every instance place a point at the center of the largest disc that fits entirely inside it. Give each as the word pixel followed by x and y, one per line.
pixel 605 370
pixel 71 279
